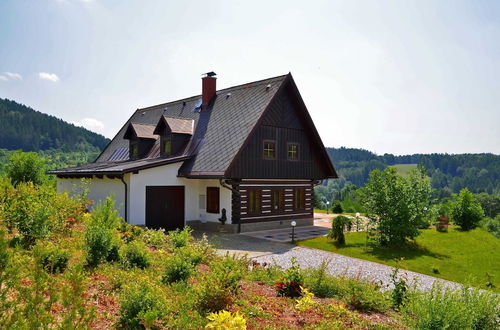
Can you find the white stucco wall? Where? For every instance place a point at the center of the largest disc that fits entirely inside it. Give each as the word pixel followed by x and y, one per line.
pixel 167 176
pixel 99 190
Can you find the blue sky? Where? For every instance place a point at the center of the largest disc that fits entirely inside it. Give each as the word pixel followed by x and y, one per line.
pixel 389 76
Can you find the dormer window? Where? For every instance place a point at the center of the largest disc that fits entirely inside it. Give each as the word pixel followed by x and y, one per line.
pixel 141 139
pixel 175 134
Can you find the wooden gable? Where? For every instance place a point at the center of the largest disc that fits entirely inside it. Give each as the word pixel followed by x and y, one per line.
pixel 285 122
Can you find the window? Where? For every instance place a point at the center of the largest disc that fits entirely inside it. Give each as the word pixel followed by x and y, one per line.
pixel 269 151
pixel 213 200
pixel 299 199
pixel 254 201
pixel 278 200
pixel 293 151
pixel 166 145
pixel 134 149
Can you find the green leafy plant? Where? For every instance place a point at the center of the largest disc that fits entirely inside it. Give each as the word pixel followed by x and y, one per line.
pixel 466 211
pixel 141 303
pixel 337 207
pixel 177 268
pixel 305 302
pixel 135 254
pixel 51 258
pixel 179 238
pixel 340 224
pixel 26 167
pixel 154 237
pixel 99 241
pixel 399 293
pixel 443 308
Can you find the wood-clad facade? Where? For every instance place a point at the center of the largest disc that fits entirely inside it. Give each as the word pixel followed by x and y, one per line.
pixel 271 200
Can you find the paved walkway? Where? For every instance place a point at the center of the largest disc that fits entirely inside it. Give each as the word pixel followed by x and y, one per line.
pixel 280 254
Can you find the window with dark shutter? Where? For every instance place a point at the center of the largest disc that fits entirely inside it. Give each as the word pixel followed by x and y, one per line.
pixel 213 200
pixel 278 200
pixel 134 149
pixel 299 199
pixel 254 201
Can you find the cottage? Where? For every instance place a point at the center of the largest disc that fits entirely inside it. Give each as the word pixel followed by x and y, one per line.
pixel 247 155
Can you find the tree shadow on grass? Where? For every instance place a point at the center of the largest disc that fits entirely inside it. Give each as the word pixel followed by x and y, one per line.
pixel 408 251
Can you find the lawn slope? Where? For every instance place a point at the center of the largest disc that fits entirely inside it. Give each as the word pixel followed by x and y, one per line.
pixel 465 257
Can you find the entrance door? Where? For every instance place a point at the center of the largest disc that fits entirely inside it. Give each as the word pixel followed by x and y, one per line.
pixel 165 207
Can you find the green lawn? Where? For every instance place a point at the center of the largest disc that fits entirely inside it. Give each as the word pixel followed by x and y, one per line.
pixel 404 169
pixel 464 257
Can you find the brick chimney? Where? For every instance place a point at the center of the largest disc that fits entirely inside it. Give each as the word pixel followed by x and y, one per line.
pixel 208 88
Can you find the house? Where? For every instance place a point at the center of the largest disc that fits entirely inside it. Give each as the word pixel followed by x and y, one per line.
pixel 248 155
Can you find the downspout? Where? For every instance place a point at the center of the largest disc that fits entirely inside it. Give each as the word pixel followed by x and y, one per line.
pixel 223 183
pixel 126 199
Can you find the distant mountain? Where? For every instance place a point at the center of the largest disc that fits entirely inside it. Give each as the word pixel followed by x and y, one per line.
pixel 21 127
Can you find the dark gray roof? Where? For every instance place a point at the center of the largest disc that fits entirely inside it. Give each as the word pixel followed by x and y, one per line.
pixel 219 133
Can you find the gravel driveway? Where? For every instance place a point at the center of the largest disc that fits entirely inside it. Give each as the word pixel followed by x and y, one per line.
pixel 342 265
pixel 280 254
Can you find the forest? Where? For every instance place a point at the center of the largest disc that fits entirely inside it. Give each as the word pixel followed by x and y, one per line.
pixel 21 127
pixel 451 173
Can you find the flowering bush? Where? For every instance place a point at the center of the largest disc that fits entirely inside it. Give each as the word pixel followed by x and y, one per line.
pixel 226 320
pixel 290 285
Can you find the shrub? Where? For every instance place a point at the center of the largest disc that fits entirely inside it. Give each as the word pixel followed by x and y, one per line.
pixel 215 289
pixel 396 205
pixel 290 285
pixel 154 237
pixel 399 293
pixel 337 207
pixel 452 309
pixel 466 211
pixel 128 232
pixel 135 254
pixel 141 303
pixel 339 225
pixel 269 274
pixel 226 320
pixel 99 242
pixel 179 238
pixel 177 268
pixel 51 258
pixel 492 225
pixel 26 167
pixel 353 291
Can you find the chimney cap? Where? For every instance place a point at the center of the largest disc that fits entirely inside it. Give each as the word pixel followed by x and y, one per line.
pixel 209 74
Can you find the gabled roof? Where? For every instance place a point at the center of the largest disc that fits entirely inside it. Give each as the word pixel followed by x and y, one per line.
pixel 175 125
pixel 140 131
pixel 218 132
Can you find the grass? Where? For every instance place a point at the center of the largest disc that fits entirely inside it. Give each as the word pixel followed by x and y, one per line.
pixel 466 257
pixel 404 169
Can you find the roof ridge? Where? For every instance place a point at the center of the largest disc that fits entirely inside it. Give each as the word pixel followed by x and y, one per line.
pixel 235 87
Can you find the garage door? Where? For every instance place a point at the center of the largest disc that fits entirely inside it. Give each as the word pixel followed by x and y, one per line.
pixel 165 207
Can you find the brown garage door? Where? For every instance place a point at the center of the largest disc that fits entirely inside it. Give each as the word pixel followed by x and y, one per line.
pixel 165 207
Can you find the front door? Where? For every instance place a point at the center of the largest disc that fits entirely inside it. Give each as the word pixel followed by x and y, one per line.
pixel 165 207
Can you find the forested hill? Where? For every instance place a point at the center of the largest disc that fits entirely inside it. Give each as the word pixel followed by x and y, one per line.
pixel 21 127
pixel 477 172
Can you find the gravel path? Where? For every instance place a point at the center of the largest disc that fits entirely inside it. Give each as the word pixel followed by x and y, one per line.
pixel 342 265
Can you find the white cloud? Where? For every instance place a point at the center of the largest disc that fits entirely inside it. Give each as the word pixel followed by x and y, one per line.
pixel 14 76
pixel 90 124
pixel 4 78
pixel 48 76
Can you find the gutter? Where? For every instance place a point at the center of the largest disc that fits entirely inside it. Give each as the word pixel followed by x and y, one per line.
pixel 126 199
pixel 223 183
